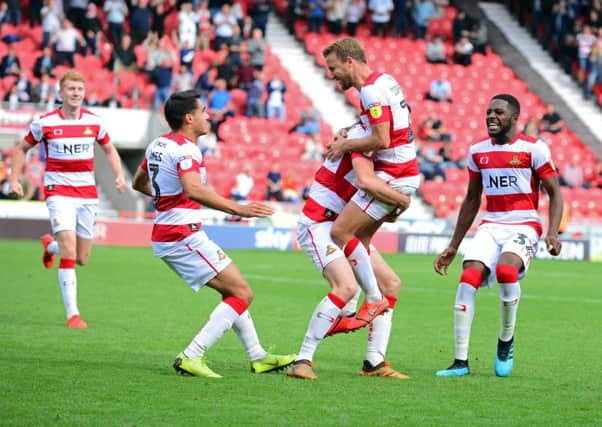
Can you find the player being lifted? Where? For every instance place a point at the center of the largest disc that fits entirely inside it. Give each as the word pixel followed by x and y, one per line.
pixel 173 173
pixel 69 134
pixel 334 185
pixel 509 167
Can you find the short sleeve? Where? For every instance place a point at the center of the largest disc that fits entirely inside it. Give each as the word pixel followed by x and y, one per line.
pixel 375 104
pixel 103 136
pixel 35 134
pixel 541 160
pixel 188 160
pixel 473 170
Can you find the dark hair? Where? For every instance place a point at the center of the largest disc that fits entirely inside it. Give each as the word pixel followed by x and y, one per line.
pixel 511 100
pixel 178 105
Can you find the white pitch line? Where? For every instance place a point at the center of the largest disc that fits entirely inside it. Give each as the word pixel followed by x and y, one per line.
pixel 554 298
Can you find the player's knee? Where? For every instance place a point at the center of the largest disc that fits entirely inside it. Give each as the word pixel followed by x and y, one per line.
pixel 81 260
pixel 390 285
pixel 472 276
pixel 506 273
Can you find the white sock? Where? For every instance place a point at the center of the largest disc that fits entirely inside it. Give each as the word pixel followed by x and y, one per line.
pixel 68 283
pixel 321 320
pixel 359 258
pixel 53 247
pixel 245 330
pixel 509 299
pixel 378 338
pixel 463 315
pixel 220 321
pixel 351 306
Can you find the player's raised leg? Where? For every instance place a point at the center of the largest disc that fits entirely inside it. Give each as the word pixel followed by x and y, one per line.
pixel 464 309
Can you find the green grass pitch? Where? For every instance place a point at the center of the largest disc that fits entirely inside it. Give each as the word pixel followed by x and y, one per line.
pixel 118 372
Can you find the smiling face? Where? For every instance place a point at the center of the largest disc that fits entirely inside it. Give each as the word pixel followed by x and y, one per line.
pixel 501 119
pixel 72 92
pixel 340 71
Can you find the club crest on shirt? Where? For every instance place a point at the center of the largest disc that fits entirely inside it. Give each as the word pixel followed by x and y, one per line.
pixel 375 110
pixel 221 255
pixel 330 250
pixel 515 161
pixel 88 131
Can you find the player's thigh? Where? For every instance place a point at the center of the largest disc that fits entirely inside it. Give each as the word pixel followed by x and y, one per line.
pixel 388 281
pixel 519 249
pixel 351 219
pixel 340 277
pixel 230 282
pixel 485 250
pixel 67 242
pixel 315 240
pixel 62 212
pixel 197 260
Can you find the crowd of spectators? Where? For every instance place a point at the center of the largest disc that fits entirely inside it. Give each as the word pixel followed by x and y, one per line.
pixel 571 31
pixel 31 179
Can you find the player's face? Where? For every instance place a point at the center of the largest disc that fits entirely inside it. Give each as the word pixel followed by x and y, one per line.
pixel 339 71
pixel 73 93
pixel 500 118
pixel 201 119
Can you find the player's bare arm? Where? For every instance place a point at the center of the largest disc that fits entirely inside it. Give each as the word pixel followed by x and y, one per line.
pixel 468 212
pixel 115 164
pixel 141 182
pixel 552 187
pixel 378 139
pixel 14 184
pixel 367 181
pixel 195 190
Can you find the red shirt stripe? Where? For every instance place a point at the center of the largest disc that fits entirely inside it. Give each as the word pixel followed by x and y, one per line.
pixel 499 159
pixel 518 202
pixel 173 233
pixel 398 170
pixel 62 165
pixel 316 212
pixel 166 203
pixel 71 131
pixel 84 192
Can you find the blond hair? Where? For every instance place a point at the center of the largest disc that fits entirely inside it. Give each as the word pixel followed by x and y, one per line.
pixel 346 47
pixel 72 75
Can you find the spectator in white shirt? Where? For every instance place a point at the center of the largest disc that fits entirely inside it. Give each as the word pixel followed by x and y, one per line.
pixel 355 13
pixel 381 15
pixel 243 186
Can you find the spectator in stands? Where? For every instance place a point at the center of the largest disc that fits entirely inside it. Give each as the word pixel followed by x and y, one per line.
pixel 76 10
pixel 463 51
pixel 401 23
pixel 478 37
pixel 219 105
pixel 204 83
pixel 255 92
pixel 113 101
pixel 10 64
pixel 381 16
pixel 207 144
pixel 260 12
pixel 225 70
pixel 432 129
pixel 245 74
pixel 187 53
pixel 35 6
pixel 462 25
pixel 160 10
pixel 92 99
pixel 440 89
pixel 116 11
pixel 290 187
pixel 335 13
pixel 551 120
pixel 315 15
pixel 585 40
pixel 182 80
pixel 274 184
pixel 246 29
pixel 24 89
pixel 67 39
pixel 430 164
pixel 91 27
pixel 205 25
pixel 309 122
pixel 51 21
pixel 3 13
pixel 355 13
pixel 160 63
pixel 446 156
pixel 572 174
pixel 435 51
pixel 43 91
pixel 596 66
pixel 13 12
pixel 12 98
pixel 562 23
pixel 423 12
pixel 123 57
pixel 531 127
pixel 597 179
pixel 236 9
pixel 187 24
pixel 234 57
pixel 256 47
pixel 313 150
pixel 224 22
pixel 141 19
pixel 568 52
pixel 243 185
pixel 305 190
pixel 275 106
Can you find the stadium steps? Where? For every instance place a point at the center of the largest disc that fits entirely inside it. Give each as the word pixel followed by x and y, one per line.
pixel 541 63
pixel 302 68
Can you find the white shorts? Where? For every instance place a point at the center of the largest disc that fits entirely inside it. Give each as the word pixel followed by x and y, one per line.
pixel 197 260
pixel 491 240
pixel 74 214
pixel 314 238
pixel 378 209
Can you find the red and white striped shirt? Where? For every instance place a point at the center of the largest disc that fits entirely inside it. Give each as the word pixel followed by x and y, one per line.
pixel 167 158
pixel 69 146
pixel 511 174
pixel 334 185
pixel 382 100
